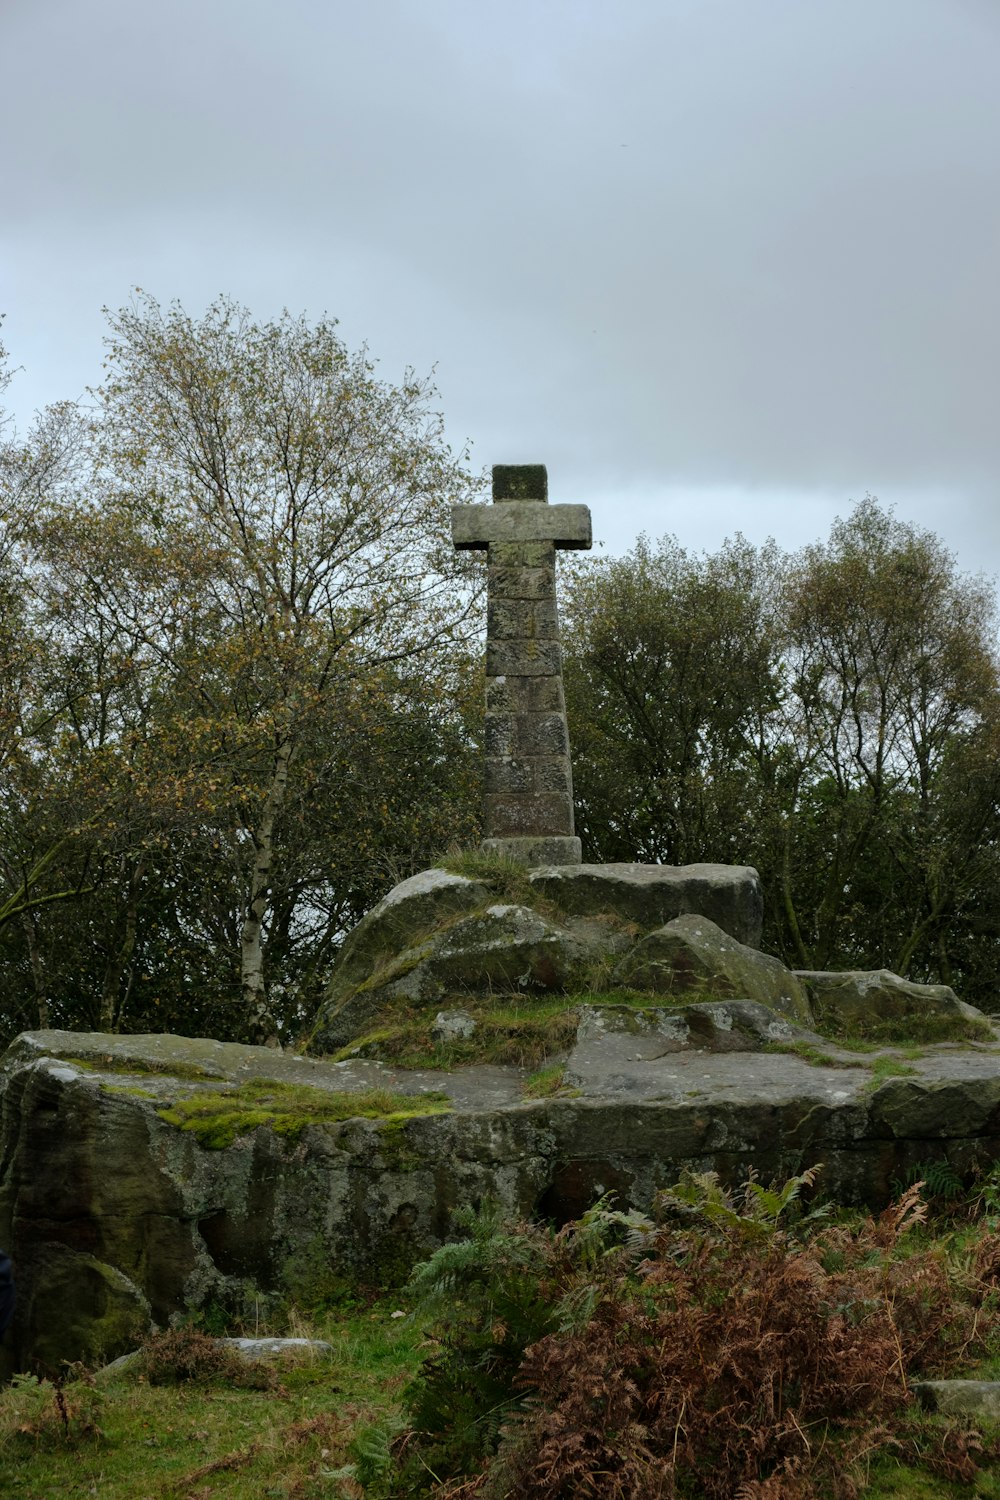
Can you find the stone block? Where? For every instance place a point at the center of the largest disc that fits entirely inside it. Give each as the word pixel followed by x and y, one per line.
pixel 524 695
pixel 519 583
pixel 520 482
pixel 512 816
pixel 523 555
pixel 541 734
pixel 505 774
pixel 523 658
pixel 500 736
pixel 551 773
pixel 522 619
pixel 692 953
pixel 484 525
pixel 535 852
pixel 652 895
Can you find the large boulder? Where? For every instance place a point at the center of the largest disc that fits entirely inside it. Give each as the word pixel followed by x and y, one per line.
pixel 871 1003
pixel 503 947
pixel 652 895
pixel 440 935
pixel 401 918
pixel 693 956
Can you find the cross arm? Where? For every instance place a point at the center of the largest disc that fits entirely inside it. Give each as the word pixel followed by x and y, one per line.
pixel 478 525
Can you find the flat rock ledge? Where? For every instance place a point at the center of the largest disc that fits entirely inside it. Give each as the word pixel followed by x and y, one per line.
pixel 119 1219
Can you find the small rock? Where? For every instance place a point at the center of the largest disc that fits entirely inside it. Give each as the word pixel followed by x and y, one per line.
pixel 967 1398
pixel 453 1026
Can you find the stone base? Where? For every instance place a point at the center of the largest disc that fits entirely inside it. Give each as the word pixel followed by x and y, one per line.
pixel 537 849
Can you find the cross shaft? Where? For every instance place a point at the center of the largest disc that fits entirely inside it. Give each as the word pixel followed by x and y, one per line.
pixel 528 793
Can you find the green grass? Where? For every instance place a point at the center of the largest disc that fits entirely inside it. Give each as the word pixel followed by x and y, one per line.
pixel 546 1083
pixel 172 1442
pixel 217 1119
pixel 814 1056
pixel 890 1067
pixel 511 1030
pixel 506 876
pixel 209 1439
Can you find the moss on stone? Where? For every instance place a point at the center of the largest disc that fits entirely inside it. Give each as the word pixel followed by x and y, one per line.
pixel 547 1083
pixel 133 1090
pixel 137 1068
pixel 288 1109
pixel 902 1030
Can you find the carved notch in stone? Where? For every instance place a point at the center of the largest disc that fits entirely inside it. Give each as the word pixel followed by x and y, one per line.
pixel 528 803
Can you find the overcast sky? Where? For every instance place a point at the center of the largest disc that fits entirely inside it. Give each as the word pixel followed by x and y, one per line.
pixel 720 264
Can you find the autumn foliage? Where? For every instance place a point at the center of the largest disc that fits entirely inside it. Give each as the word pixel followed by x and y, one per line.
pixel 710 1352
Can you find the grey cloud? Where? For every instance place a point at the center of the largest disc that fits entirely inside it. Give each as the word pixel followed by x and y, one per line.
pixel 717 246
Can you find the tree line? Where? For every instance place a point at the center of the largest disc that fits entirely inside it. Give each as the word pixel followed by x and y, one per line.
pixel 240 695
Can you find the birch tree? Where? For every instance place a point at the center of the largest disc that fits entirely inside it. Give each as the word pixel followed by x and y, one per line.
pixel 281 517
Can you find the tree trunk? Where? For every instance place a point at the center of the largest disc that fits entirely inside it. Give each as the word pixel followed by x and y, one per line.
pixel 121 957
pixel 260 1021
pixel 37 969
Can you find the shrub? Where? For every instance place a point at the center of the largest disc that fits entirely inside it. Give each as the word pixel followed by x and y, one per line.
pixel 717 1354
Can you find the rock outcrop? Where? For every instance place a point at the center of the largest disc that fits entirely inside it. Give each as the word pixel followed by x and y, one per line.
pixel 145 1178
pixel 440 936
pixel 121 1209
pixel 649 896
pixel 692 954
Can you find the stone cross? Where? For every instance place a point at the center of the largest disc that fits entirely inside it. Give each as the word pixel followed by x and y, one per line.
pixel 528 801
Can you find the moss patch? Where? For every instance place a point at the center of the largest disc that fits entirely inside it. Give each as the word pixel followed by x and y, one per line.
pixel 511 1030
pixel 137 1068
pixel 909 1030
pixel 547 1083
pixel 287 1109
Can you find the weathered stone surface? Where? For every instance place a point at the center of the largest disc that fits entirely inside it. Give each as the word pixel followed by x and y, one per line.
pixel 856 997
pixel 960 1398
pixel 528 734
pixel 525 695
pixel 116 1219
pixel 520 482
pixel 453 1025
pixel 477 526
pixel 652 895
pixel 531 773
pixel 128 1217
pixel 692 953
pixel 534 850
pixel 505 946
pixel 518 815
pixel 523 658
pixel 506 582
pixel 524 555
pixel 610 1038
pixel 522 619
pixel 424 900
pixel 500 947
